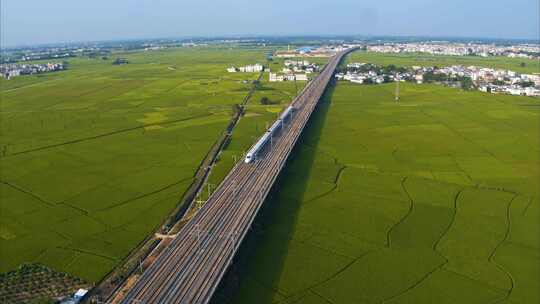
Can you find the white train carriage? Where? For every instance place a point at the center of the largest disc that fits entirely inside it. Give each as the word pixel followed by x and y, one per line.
pixel 254 151
pixel 285 115
pixel 275 127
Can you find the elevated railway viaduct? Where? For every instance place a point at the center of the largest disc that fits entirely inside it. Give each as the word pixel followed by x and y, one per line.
pixel 190 269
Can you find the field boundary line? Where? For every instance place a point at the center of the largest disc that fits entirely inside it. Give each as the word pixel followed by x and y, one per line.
pixel 28 192
pixel 419 282
pixel 459 134
pixel 434 249
pixel 334 187
pixel 329 278
pixel 491 257
pixel 81 210
pixel 486 284
pixel 79 140
pixel 527 207
pixel 86 213
pixel 269 287
pixel 409 211
pixel 89 253
pixel 320 296
pixel 456 198
pixel 144 195
pixel 306 242
pixel 469 177
pixel 31 85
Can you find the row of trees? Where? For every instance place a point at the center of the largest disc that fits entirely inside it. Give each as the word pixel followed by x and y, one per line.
pixel 466 82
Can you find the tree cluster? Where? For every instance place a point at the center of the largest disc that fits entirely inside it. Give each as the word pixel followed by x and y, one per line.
pixel 118 61
pixel 266 101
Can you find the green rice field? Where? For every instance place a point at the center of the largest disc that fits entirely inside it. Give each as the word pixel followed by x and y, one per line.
pixel 432 200
pixel 93 159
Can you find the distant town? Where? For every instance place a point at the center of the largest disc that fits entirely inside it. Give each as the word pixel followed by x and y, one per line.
pixel 293 70
pixel 307 51
pixel 460 49
pixel 298 68
pixel 284 47
pixel 526 51
pixel 494 81
pixel 12 70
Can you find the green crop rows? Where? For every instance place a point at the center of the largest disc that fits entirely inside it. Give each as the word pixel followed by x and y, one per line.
pixel 93 159
pixel 432 200
pixel 45 284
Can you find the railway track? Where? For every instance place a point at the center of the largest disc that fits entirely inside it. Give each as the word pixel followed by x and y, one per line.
pixel 190 268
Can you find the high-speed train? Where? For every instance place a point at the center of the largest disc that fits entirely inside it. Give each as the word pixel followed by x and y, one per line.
pixel 261 143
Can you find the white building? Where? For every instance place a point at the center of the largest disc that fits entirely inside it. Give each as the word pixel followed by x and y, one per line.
pixel 276 78
pixel 255 68
pixel 534 78
pixel 296 63
pixel 301 77
pixel 77 297
pixel 530 91
pixel 515 91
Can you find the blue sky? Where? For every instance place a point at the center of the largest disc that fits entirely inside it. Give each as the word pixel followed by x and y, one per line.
pixel 45 21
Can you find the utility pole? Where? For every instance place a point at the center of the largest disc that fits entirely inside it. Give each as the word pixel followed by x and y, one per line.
pixel 140 266
pixel 397 87
pixel 199 203
pixel 295 85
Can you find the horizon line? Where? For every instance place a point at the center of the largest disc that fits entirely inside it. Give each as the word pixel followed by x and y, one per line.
pixel 255 36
